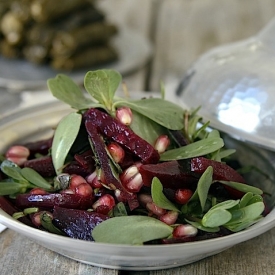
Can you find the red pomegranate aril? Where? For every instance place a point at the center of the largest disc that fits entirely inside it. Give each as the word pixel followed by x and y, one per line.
pixel 75 181
pixel 106 200
pixel 162 143
pixel 131 179
pixel 17 154
pixel 38 191
pixel 84 189
pixel 185 230
pixel 154 209
pixel 67 191
pixel 170 217
pixel 182 196
pixel 124 115
pixel 96 183
pixel 116 151
pixel 36 217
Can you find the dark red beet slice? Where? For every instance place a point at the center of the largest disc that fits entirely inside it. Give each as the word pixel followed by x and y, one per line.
pixel 77 224
pixel 41 146
pixel 122 134
pixel 221 171
pixel 56 199
pixel 102 156
pixel 86 160
pixel 10 209
pixel 44 166
pixel 172 174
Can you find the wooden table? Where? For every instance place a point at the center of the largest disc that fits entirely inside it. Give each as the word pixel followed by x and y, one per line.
pixel 180 31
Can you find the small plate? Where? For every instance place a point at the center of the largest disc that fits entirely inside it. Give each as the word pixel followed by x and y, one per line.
pixel 37 122
pixel 133 48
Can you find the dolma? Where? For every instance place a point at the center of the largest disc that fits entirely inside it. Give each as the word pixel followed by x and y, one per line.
pixel 9 51
pixel 49 10
pixel 68 43
pixel 88 58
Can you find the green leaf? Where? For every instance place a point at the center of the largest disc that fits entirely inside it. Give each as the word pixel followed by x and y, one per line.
pixel 245 199
pixel 226 204
pixel 14 173
pixel 243 187
pixel 159 198
pixel 203 228
pixel 66 90
pixel 146 128
pixel 9 188
pixel 243 225
pixel 195 149
pixel 119 210
pixel 102 85
pixel 216 217
pixel 64 137
pixel 35 178
pixel 12 170
pixel 163 112
pixel 133 230
pixel 204 184
pixel 249 213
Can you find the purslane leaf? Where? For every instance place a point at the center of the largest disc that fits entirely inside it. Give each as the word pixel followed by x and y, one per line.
pixel 64 137
pixel 66 90
pixel 243 187
pixel 102 85
pixel 35 178
pixel 132 230
pixel 195 149
pixel 159 110
pixel 204 184
pixel 159 198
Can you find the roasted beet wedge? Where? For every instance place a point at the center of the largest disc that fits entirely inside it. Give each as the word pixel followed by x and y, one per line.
pixel 172 174
pixel 56 199
pixel 221 171
pixel 122 134
pixel 43 166
pixel 39 147
pixel 77 224
pixel 9 208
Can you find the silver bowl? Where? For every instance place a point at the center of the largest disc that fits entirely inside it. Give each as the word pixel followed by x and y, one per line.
pixel 38 122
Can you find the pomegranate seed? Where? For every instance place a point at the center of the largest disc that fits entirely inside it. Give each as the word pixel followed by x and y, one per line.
pixel 67 191
pixel 38 191
pixel 17 154
pixel 36 217
pixel 132 179
pixel 116 151
pixel 154 209
pixel 185 230
pixel 124 115
pixel 162 143
pixel 84 189
pixel 76 180
pixel 170 217
pixel 119 196
pixel 182 196
pixel 91 177
pixel 106 200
